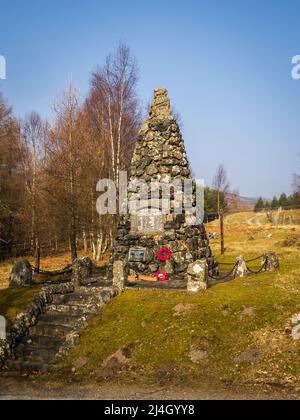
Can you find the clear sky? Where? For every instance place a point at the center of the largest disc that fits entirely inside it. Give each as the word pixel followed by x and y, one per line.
pixel 226 63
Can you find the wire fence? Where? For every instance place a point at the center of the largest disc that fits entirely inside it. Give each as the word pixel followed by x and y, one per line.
pixel 235 264
pixel 227 276
pixel 263 267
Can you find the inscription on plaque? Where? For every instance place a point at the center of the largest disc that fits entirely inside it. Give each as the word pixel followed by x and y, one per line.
pixel 137 255
pixel 150 223
pixel 147 222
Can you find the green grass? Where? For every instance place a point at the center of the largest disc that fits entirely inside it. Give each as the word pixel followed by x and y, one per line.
pixel 14 302
pixel 216 324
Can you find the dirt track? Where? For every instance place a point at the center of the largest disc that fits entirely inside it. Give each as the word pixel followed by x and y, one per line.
pixel 255 221
pixel 22 389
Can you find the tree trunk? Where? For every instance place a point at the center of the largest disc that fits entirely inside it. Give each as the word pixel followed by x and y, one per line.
pixel 37 257
pixel 222 232
pixel 85 244
pixel 105 246
pixel 73 245
pixel 99 247
pixel 93 246
pixel 113 164
pixel 119 141
pixel 73 236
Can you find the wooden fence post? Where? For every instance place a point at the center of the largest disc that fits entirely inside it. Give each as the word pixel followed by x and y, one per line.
pixel 222 232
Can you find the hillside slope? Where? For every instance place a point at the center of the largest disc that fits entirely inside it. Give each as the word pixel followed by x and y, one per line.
pixel 232 334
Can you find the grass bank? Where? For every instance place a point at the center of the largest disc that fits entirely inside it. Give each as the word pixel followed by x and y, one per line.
pixel 14 302
pixel 234 333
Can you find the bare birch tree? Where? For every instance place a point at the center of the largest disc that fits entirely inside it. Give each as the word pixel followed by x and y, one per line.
pixel 115 106
pixel 32 132
pixel 63 158
pixel 221 184
pixel 114 118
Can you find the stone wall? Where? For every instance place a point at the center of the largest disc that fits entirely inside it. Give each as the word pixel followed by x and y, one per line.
pixel 187 244
pixel 29 318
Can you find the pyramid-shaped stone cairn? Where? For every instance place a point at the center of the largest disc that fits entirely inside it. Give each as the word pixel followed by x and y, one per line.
pixel 160 154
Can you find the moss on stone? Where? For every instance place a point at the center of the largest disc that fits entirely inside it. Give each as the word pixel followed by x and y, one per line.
pixel 14 302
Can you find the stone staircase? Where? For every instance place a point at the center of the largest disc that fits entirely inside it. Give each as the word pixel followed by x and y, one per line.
pixel 57 330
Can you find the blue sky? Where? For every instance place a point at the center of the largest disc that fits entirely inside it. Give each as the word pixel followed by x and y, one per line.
pixel 227 65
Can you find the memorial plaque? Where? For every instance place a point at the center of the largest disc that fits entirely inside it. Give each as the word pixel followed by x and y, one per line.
pixel 137 255
pixel 149 222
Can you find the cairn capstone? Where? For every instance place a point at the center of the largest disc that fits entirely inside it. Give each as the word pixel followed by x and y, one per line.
pixel 21 275
pixel 81 270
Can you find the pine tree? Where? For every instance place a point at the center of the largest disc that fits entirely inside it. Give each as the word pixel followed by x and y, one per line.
pixel 275 203
pixel 283 200
pixel 259 205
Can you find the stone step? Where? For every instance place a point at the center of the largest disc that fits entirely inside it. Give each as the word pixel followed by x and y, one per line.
pixel 35 354
pixel 73 298
pixel 59 319
pixel 42 342
pixel 28 367
pixel 50 330
pixel 70 309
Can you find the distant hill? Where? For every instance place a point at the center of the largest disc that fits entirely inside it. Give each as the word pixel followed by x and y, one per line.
pixel 240 203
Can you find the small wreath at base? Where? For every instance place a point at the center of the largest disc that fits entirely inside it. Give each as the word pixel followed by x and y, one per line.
pixel 162 276
pixel 164 254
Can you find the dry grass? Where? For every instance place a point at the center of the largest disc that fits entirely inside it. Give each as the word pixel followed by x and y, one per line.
pixel 51 263
pixel 251 240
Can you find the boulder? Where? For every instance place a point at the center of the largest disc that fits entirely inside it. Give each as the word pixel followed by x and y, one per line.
pixel 197 276
pixel 21 275
pixel 119 275
pixel 241 269
pixel 272 261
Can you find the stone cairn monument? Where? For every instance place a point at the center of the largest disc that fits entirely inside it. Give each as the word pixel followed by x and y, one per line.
pixel 160 154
